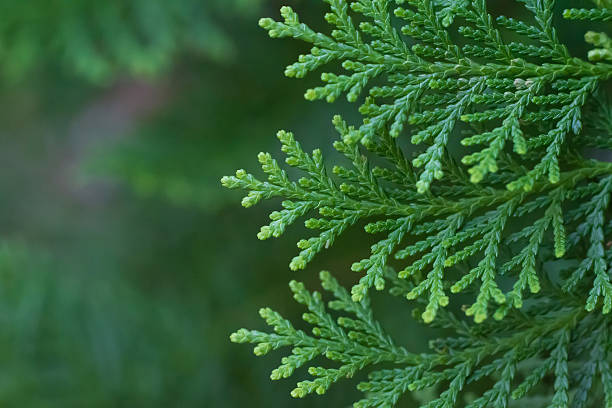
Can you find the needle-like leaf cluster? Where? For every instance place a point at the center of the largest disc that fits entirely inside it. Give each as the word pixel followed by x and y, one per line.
pixel 552 338
pixel 488 217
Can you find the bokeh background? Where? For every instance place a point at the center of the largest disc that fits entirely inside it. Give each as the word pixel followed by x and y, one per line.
pixel 124 266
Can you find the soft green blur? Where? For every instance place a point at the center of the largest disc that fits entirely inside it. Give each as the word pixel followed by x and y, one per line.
pixel 124 266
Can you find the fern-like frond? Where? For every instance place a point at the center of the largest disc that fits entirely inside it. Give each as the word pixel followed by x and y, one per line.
pixel 347 335
pixel 491 221
pixel 501 84
pixel 439 232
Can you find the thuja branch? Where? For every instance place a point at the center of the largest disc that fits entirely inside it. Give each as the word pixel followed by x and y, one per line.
pixel 518 219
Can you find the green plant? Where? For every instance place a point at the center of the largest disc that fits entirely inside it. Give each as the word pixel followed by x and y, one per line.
pixel 100 40
pixel 516 216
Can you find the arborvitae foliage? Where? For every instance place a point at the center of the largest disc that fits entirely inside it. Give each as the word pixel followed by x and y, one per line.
pixel 490 219
pixel 98 40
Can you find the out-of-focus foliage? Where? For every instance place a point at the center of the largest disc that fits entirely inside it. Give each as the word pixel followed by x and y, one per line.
pixel 169 157
pixel 90 342
pixel 99 39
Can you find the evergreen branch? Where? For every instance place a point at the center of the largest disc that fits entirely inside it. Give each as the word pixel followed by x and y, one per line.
pixel 495 229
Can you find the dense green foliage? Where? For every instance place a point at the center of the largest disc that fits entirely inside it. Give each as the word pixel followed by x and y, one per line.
pixel 516 218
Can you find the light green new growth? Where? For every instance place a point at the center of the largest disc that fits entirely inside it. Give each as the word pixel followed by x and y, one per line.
pixel 489 218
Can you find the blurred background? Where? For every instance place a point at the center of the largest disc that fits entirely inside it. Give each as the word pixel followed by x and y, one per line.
pixel 124 266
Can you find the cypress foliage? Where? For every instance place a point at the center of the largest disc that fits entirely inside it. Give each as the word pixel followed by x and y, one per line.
pixel 517 219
